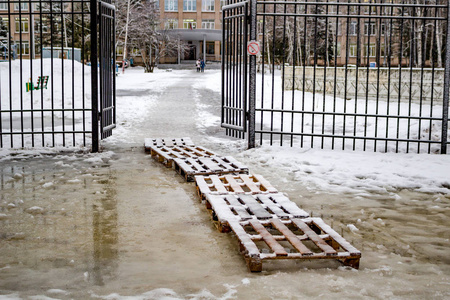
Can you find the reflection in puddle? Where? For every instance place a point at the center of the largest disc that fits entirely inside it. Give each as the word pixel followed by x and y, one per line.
pixel 58 223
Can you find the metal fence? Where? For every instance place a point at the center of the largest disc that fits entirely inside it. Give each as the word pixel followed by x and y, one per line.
pixel 56 62
pixel 370 75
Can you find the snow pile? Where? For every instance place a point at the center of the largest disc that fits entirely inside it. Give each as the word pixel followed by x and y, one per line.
pixel 336 171
pixel 62 73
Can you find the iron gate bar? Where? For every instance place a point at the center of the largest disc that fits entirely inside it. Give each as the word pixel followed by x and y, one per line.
pixel 446 89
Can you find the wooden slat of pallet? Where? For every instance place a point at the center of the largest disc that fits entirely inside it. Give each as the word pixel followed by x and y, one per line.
pixel 268 202
pixel 254 188
pixel 335 236
pixel 291 237
pixel 314 237
pixel 288 205
pixel 199 151
pixel 268 238
pixel 233 200
pixel 242 213
pixel 233 184
pixel 218 184
pixel 222 210
pixel 211 165
pixel 250 246
pixel 265 185
pixel 255 207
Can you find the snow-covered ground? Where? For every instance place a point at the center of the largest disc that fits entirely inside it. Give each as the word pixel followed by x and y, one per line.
pixel 118 225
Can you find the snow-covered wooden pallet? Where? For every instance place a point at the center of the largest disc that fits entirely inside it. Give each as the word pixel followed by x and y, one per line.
pixel 165 155
pixel 233 184
pixel 242 207
pixel 168 142
pixel 189 167
pixel 308 238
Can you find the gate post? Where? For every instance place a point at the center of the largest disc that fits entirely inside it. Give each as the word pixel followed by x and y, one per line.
pixel 252 79
pixel 446 89
pixel 94 76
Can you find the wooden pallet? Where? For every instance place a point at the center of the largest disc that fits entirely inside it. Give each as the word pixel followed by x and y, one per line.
pixel 166 155
pixel 190 167
pixel 168 142
pixel 242 207
pixel 308 238
pixel 232 184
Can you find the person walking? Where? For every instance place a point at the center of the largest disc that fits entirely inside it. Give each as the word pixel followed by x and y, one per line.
pixel 202 65
pixel 198 65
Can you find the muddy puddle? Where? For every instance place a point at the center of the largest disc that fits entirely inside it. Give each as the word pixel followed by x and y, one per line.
pixel 78 228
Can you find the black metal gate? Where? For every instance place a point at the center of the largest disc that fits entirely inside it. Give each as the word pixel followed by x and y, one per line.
pixel 370 75
pixel 234 68
pixel 107 66
pixel 49 95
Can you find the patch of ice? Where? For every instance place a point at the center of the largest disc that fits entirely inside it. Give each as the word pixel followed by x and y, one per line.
pixel 245 281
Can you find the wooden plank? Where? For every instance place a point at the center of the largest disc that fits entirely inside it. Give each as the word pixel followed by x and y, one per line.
pixel 242 213
pixel 336 237
pixel 178 141
pixel 233 184
pixel 314 237
pixel 289 206
pixel 158 142
pixel 254 189
pixel 265 185
pixel 210 164
pixel 291 237
pixel 168 143
pixel 255 208
pixel 223 211
pixel 233 200
pixel 250 247
pixel 268 238
pixel 218 184
pixel 268 202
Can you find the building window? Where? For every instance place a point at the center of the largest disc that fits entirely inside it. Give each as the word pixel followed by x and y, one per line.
pixel 119 50
pixel 189 24
pixel 369 28
pixel 223 3
pixel 353 28
pixel 207 5
pixel 171 24
pixel 24 48
pixel 189 5
pixel 4 22
pixel 208 24
pixel 171 5
pixel 23 6
pixel 209 47
pixel 353 50
pixel 3 5
pixel 21 25
pixel 372 50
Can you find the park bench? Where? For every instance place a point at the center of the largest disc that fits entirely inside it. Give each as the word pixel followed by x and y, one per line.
pixel 41 84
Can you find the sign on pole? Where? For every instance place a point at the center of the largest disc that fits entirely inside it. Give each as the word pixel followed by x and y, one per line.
pixel 253 48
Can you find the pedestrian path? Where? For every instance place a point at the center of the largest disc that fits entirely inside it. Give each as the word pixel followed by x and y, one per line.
pixel 267 224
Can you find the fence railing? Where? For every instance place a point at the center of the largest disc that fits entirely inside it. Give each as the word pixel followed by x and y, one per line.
pixel 350 75
pixel 48 86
